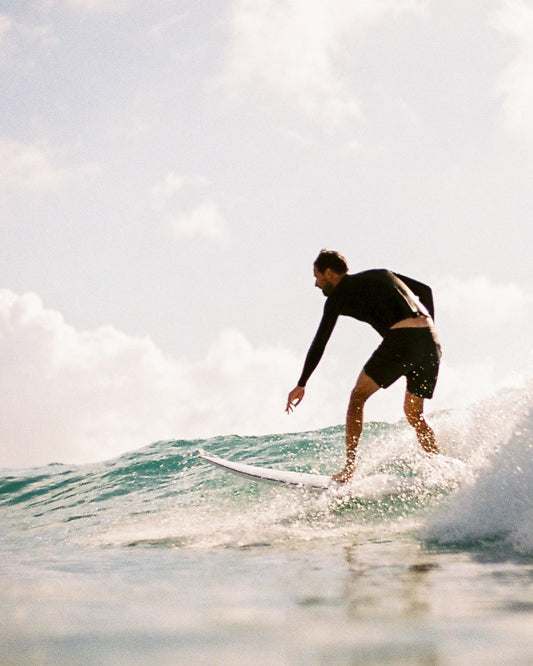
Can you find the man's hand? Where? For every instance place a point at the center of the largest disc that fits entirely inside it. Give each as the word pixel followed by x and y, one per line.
pixel 295 398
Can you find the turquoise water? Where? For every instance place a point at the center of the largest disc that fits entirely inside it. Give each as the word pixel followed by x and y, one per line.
pixel 159 558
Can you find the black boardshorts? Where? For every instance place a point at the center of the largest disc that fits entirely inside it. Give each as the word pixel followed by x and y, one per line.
pixel 411 352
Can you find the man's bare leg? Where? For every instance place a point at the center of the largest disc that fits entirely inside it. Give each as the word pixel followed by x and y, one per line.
pixel 414 411
pixel 362 390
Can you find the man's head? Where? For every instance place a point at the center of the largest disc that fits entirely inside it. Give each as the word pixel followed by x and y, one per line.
pixel 329 269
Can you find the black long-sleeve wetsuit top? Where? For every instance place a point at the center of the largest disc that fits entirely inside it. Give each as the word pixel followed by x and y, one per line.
pixel 378 297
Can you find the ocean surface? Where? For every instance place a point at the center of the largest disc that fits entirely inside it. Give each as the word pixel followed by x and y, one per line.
pixel 157 557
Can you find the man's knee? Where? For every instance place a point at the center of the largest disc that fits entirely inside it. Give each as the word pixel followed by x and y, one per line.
pixel 363 389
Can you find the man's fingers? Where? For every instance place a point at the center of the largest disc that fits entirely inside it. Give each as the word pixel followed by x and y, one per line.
pixel 294 399
pixel 292 404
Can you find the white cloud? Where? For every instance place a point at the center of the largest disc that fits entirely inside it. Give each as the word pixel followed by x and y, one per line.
pixel 79 396
pixel 478 302
pixel 159 30
pixel 5 26
pixel 33 167
pixel 484 329
pixel 294 49
pixel 204 221
pixel 18 39
pixel 515 85
pixel 172 183
pixel 100 5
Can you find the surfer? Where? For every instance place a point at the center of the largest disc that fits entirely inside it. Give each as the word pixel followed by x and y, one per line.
pixel 401 310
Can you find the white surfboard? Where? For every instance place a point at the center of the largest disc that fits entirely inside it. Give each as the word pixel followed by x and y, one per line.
pixel 302 479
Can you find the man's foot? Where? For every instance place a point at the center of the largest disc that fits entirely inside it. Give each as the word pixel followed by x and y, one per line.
pixel 345 475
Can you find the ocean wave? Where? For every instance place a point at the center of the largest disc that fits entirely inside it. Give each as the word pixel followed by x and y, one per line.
pixel 478 489
pixel 497 505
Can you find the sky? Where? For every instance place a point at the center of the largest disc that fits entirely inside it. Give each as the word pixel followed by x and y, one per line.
pixel 169 171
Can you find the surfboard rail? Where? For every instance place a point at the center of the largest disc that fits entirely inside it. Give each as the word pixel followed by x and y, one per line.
pixel 256 473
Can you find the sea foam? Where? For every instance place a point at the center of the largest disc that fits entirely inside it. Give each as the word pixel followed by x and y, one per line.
pixel 497 504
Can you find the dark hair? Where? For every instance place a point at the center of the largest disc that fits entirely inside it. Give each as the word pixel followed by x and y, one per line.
pixel 331 259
